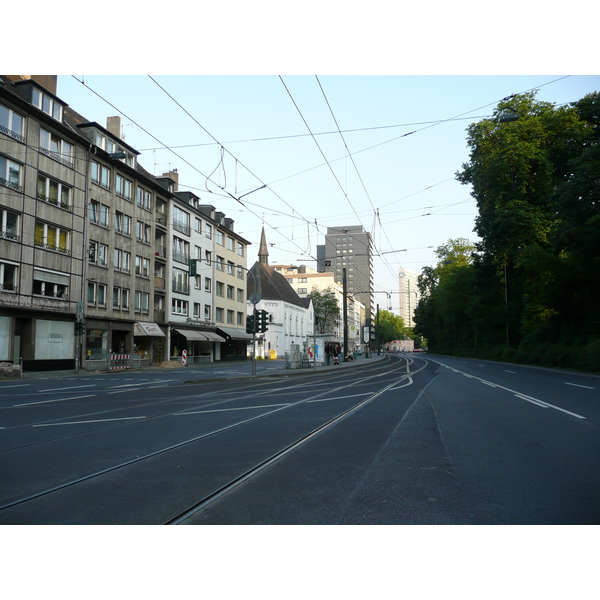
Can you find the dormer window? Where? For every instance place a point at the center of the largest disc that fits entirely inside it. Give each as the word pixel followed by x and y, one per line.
pixel 47 103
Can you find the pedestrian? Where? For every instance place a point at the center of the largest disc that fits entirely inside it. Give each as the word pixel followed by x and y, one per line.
pixel 338 351
pixel 328 353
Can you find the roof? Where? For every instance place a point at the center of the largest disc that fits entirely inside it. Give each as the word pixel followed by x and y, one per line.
pixel 272 285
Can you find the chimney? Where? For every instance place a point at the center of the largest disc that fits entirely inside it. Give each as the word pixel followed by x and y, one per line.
pixel 174 175
pixel 113 124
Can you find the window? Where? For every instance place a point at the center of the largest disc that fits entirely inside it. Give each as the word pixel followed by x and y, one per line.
pixel 98 213
pixel 143 198
pixel 48 104
pixel 240 295
pixel 197 282
pixel 240 273
pixel 9 225
pixel 125 299
pixel 208 256
pixel 181 220
pixel 142 232
pixel 121 260
pixel 302 280
pixel 101 175
pixel 220 263
pixel 198 225
pixel 96 294
pixel 141 301
pixel 207 284
pixel 196 310
pixel 230 315
pixel 55 147
pixel 8 277
pixel 98 254
pixel 10 174
pixel 230 289
pixel 230 267
pixel 142 266
pixel 11 123
pixel 51 237
pixel 49 289
pixel 301 290
pixel 122 223
pixel 240 318
pixel 181 250
pixel 181 281
pixel 220 238
pixel 240 249
pixel 219 315
pixel 207 312
pixel 123 187
pixel 230 243
pixel 179 307
pixel 116 297
pixel 53 191
pixel 220 288
pixel 208 231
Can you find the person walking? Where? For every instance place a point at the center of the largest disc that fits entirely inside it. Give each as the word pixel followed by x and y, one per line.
pixel 328 353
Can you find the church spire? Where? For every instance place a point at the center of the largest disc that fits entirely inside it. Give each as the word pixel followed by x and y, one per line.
pixel 263 252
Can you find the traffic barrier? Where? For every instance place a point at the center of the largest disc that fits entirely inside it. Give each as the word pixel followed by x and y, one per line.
pixel 118 361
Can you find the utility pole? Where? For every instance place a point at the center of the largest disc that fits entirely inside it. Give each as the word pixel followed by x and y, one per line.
pixel 345 313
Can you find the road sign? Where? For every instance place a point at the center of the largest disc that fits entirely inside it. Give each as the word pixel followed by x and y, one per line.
pixel 184 357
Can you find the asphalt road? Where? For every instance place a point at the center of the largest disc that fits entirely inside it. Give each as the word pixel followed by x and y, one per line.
pixel 407 440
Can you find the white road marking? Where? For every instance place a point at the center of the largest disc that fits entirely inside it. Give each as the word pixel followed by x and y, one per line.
pixel 513 372
pixel 124 391
pixel 19 385
pixel 528 398
pixel 338 397
pixel 587 387
pixel 57 400
pixel 82 422
pixel 198 412
pixel 130 385
pixel 68 388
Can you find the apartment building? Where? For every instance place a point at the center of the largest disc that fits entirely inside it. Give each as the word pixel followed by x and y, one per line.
pixel 409 295
pixel 43 179
pixel 89 236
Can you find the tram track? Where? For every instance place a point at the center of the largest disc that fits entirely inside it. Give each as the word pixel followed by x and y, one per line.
pixel 194 507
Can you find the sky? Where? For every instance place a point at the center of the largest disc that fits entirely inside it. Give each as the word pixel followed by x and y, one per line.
pixel 300 153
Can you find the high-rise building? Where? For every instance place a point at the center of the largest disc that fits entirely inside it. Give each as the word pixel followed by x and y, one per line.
pixel 409 295
pixel 350 248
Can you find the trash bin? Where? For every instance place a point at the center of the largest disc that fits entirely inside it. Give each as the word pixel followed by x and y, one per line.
pixel 272 354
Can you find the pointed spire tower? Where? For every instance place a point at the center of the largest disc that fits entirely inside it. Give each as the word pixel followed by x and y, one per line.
pixel 263 252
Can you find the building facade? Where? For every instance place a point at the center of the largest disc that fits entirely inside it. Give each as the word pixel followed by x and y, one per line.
pixel 409 295
pixel 96 253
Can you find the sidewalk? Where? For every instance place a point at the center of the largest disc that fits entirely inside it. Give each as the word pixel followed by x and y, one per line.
pixel 264 368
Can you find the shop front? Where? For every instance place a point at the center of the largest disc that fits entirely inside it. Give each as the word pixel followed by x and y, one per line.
pixel 149 342
pixel 236 343
pixel 200 345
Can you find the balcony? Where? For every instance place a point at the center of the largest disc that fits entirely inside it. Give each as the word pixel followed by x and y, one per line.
pixel 159 283
pixel 181 287
pixel 160 252
pixel 159 316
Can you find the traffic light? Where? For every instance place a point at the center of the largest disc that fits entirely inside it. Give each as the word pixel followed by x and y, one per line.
pixel 193 266
pixel 250 324
pixel 79 327
pixel 262 319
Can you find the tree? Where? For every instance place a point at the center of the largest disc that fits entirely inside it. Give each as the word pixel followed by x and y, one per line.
pixel 326 308
pixel 389 327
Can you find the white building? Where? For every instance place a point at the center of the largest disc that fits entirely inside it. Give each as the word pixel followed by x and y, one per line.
pixel 409 295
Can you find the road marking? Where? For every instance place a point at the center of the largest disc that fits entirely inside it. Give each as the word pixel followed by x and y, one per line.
pixel 198 412
pixel 529 398
pixel 587 387
pixel 19 385
pixel 124 391
pixel 82 422
pixel 130 385
pixel 513 372
pixel 57 400
pixel 338 397
pixel 68 388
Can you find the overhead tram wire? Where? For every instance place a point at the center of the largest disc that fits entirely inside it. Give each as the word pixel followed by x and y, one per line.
pixel 225 149
pixel 170 149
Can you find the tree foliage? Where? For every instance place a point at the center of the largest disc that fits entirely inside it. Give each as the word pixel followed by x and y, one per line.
pixel 533 279
pixel 389 327
pixel 326 308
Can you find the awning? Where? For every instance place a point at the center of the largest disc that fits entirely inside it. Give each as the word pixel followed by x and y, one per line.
pixel 190 334
pixel 213 337
pixel 151 329
pixel 200 336
pixel 236 334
